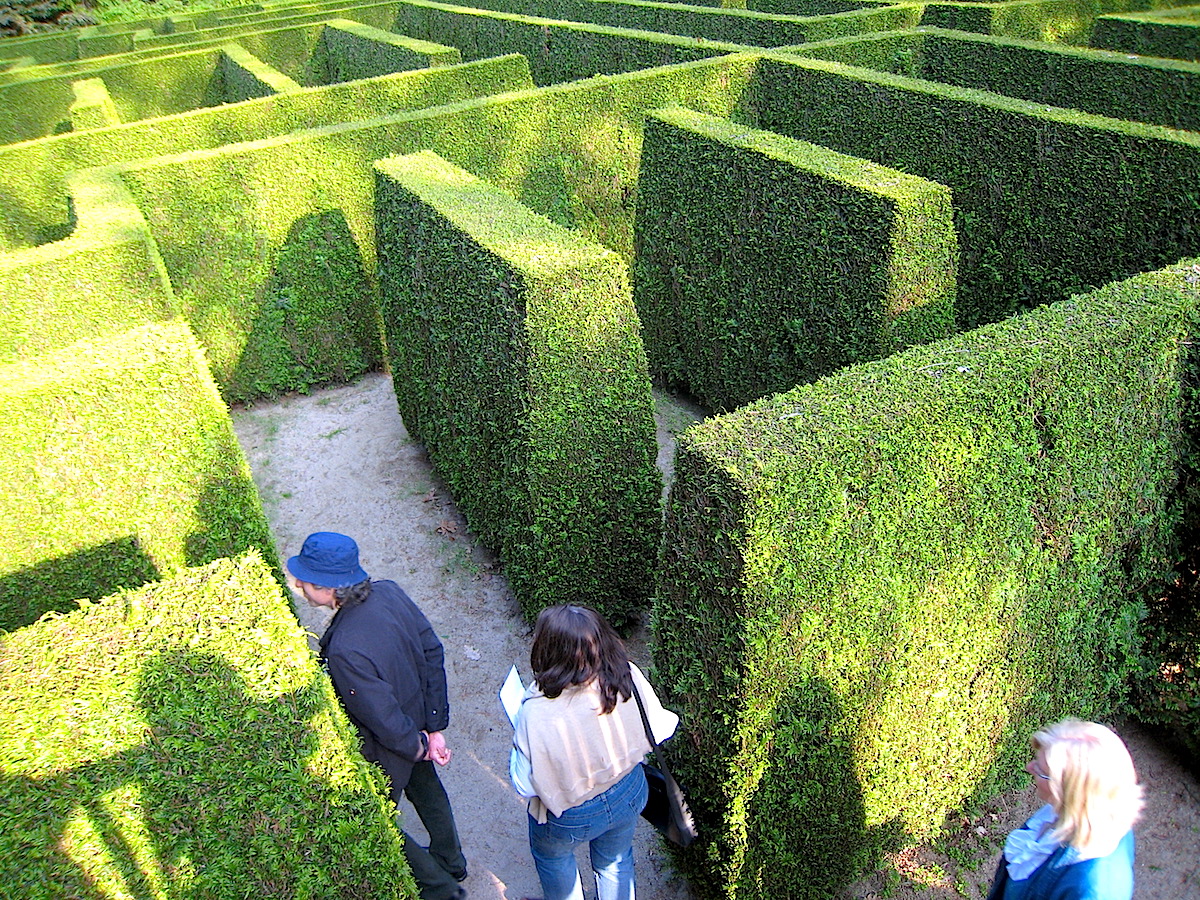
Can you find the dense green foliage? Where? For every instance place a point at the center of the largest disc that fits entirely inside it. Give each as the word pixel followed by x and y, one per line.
pixel 1156 91
pixel 1047 202
pixel 756 29
pixel 1117 85
pixel 570 152
pixel 122 464
pixel 873 588
pixel 763 262
pixel 348 51
pixel 557 50
pixel 180 741
pixel 35 170
pixel 517 360
pixel 1172 37
pixel 241 76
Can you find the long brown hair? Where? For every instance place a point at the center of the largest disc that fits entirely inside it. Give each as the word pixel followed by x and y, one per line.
pixel 574 644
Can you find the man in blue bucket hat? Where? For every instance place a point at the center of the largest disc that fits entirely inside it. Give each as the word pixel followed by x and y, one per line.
pixel 386 664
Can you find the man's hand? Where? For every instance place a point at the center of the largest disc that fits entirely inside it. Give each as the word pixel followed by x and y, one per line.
pixel 438 751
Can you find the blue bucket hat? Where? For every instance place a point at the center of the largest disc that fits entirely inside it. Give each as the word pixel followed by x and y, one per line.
pixel 329 560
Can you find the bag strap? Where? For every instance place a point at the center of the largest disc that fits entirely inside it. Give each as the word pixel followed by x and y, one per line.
pixel 654 748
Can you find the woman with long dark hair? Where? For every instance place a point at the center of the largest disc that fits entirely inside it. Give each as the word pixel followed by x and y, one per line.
pixel 577 752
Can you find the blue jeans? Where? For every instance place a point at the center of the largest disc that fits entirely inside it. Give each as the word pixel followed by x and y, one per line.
pixel 606 823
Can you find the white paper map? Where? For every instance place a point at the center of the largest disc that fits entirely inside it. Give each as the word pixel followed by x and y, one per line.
pixel 511 693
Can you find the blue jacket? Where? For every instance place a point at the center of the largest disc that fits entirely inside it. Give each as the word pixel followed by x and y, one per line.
pixel 1104 878
pixel 387 667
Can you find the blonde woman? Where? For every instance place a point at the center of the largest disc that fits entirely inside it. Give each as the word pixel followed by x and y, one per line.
pixel 1079 846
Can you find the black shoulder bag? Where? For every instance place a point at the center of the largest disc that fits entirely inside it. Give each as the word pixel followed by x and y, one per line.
pixel 666 807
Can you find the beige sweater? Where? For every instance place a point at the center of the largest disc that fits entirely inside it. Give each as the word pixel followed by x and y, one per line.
pixel 576 753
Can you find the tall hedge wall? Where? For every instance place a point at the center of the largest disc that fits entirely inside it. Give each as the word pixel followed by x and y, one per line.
pixel 122 465
pixel 105 277
pixel 220 216
pixel 874 587
pixel 518 362
pixel 242 76
pixel 558 51
pixel 33 185
pixel 740 26
pixel 1057 21
pixel 1149 36
pixel 1134 88
pixel 1157 91
pixel 762 262
pixel 1047 202
pixel 180 741
pixel 38 107
pixel 348 51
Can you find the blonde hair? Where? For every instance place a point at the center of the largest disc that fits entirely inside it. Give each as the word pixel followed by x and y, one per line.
pixel 1093 785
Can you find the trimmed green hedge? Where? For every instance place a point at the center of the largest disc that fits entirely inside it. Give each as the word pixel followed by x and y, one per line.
pixel 763 262
pixel 1066 21
pixel 739 26
pixel 517 358
pixel 242 76
pixel 873 588
pixel 558 51
pixel 121 465
pixel 348 51
pixel 222 216
pixel 38 107
pixel 1154 91
pixel 105 277
pixel 34 180
pixel 180 741
pixel 92 106
pixel 1149 35
pixel 1047 202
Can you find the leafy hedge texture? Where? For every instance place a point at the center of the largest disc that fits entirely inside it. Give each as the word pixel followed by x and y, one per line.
pixel 348 51
pixel 223 217
pixel 1163 34
pixel 517 361
pixel 1117 85
pixel 874 587
pixel 763 262
pixel 122 466
pixel 180 741
pixel 1047 202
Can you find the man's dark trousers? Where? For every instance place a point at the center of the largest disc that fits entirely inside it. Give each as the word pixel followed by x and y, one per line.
pixel 437 869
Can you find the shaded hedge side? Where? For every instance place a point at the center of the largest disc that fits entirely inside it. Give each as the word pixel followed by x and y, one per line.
pixel 348 51
pixel 763 262
pixel 40 107
pixel 874 587
pixel 518 362
pixel 34 184
pixel 1137 89
pixel 180 740
pixel 739 26
pixel 569 152
pixel 1155 91
pixel 558 51
pixel 1047 202
pixel 122 466
pixel 242 76
pixel 1149 35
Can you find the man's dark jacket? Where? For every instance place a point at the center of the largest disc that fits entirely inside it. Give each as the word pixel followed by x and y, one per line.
pixel 386 664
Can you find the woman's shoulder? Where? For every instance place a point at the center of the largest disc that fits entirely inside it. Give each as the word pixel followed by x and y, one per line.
pixel 1108 877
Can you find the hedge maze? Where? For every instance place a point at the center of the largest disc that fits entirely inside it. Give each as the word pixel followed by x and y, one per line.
pixel 933 263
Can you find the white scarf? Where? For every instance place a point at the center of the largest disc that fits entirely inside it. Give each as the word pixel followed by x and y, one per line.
pixel 1031 844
